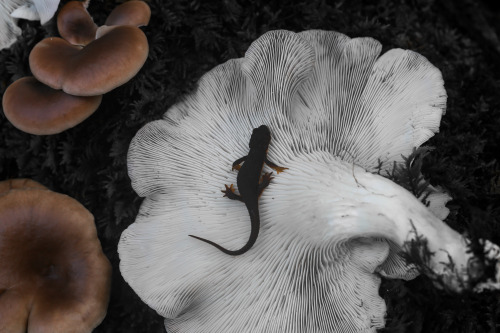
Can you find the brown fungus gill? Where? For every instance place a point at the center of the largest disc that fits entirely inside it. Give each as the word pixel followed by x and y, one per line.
pixel 54 277
pixel 35 108
pixel 339 112
pixel 11 10
pixel 100 66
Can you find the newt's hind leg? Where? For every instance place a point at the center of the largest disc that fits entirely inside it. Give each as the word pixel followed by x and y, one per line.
pixel 229 192
pixel 265 181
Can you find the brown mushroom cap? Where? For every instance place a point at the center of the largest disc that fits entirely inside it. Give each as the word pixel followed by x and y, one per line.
pixel 54 276
pixel 38 109
pixel 75 23
pixel 95 69
pixel 136 13
pixel 16 184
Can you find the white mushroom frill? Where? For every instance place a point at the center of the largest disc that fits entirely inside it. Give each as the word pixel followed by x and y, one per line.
pixel 11 10
pixel 330 226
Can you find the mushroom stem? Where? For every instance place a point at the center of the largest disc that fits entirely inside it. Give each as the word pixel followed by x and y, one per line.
pixel 350 202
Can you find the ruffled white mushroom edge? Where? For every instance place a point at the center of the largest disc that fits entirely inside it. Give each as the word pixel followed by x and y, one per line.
pixel 329 227
pixel 11 10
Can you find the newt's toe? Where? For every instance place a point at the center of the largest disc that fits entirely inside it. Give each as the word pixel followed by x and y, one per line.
pixel 280 169
pixel 266 178
pixel 265 181
pixel 229 190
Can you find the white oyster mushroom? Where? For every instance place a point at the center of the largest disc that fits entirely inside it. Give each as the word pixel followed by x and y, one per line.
pixel 329 226
pixel 11 10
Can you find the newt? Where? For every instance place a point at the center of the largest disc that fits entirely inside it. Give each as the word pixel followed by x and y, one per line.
pixel 250 184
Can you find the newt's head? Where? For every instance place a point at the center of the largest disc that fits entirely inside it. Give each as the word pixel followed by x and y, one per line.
pixel 261 136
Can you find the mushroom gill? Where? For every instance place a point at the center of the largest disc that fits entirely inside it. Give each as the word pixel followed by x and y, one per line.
pixel 11 10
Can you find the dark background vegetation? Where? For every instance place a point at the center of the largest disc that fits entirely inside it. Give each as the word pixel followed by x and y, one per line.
pixel 189 37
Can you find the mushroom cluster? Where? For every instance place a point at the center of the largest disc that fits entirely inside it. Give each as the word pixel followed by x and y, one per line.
pixel 72 73
pixel 54 276
pixel 339 114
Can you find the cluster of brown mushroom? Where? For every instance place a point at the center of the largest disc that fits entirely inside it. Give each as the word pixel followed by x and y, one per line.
pixel 73 72
pixel 54 276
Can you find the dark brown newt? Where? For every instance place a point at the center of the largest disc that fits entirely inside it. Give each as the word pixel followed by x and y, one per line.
pixel 249 184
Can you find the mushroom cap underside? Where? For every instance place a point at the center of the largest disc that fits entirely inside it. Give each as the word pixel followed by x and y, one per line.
pixel 11 10
pixel 337 111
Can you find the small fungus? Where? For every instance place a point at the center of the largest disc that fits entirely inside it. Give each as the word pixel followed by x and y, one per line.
pixel 100 66
pixel 338 112
pixel 135 13
pixel 7 185
pixel 75 23
pixel 54 277
pixel 35 108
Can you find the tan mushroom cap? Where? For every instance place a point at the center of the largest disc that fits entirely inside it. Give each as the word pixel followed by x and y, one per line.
pixel 38 109
pixel 75 23
pixel 95 69
pixel 136 13
pixel 54 277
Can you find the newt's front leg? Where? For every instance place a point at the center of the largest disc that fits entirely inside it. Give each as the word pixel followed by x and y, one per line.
pixel 274 166
pixel 236 164
pixel 229 192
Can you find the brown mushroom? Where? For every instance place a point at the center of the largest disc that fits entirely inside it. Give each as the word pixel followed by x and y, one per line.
pixel 136 13
pixel 54 276
pixel 95 69
pixel 15 184
pixel 75 23
pixel 38 109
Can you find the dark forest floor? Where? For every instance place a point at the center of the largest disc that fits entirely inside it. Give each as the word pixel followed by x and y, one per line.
pixel 188 38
